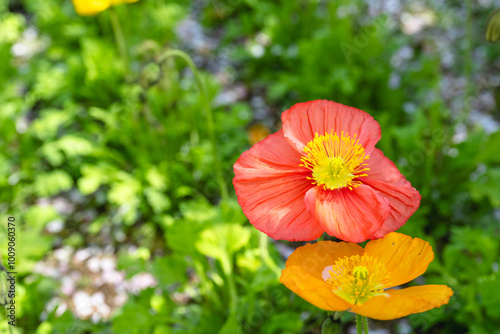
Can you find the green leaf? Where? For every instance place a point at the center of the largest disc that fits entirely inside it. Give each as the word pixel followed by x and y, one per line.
pixel 222 241
pixel 124 191
pixel 134 319
pixel 156 179
pixel 182 235
pixel 490 294
pixel 50 121
pixel 52 183
pixel 231 326
pixel 198 210
pixel 285 322
pixel 37 216
pixel 11 26
pixel 93 177
pixel 170 269
pixel 159 201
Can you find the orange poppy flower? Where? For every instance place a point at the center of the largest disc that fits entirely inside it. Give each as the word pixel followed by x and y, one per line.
pixel 339 276
pixel 322 173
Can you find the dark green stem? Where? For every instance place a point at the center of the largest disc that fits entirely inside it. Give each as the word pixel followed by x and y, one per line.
pixel 365 324
pixel 359 324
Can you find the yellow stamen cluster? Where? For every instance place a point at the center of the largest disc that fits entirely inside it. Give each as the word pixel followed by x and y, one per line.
pixel 335 161
pixel 356 279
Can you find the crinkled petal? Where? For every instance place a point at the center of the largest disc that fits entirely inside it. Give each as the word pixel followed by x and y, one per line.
pixel 404 257
pixel 384 177
pixel 303 120
pixel 400 303
pixel 350 215
pixel 271 185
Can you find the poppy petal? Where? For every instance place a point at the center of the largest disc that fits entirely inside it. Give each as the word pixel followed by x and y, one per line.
pixel 305 267
pixel 313 258
pixel 384 177
pixel 351 215
pixel 403 302
pixel 312 289
pixel 405 258
pixel 270 186
pixel 303 120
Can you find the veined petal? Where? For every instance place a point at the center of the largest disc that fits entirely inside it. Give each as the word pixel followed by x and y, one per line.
pixel 270 186
pixel 351 215
pixel 405 258
pixel 401 303
pixel 312 289
pixel 384 177
pixel 303 120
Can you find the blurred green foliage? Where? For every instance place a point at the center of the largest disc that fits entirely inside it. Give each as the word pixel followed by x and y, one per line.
pixel 125 147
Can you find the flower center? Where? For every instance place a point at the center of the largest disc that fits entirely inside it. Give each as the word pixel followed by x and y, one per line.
pixel 356 279
pixel 335 161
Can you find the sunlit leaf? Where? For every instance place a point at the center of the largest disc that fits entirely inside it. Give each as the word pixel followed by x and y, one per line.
pixel 52 183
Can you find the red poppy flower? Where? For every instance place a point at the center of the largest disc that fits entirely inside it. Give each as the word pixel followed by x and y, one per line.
pixel 322 173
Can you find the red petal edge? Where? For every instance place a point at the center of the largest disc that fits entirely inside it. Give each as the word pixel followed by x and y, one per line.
pixel 270 186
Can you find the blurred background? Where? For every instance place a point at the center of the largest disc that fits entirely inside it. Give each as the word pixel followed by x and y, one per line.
pixel 107 165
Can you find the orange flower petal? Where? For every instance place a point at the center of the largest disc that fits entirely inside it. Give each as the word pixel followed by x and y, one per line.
pixel 405 258
pixel 351 215
pixel 313 290
pixel 401 303
pixel 313 258
pixel 304 270
pixel 303 120
pixel 385 178
pixel 270 185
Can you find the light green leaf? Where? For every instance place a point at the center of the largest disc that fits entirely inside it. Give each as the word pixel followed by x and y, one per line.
pixel 159 201
pixel 93 177
pixel 52 183
pixel 126 190
pixel 222 241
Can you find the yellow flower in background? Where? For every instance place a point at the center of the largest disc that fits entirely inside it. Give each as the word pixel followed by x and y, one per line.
pixel 90 7
pixel 256 133
pixel 94 7
pixel 340 276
